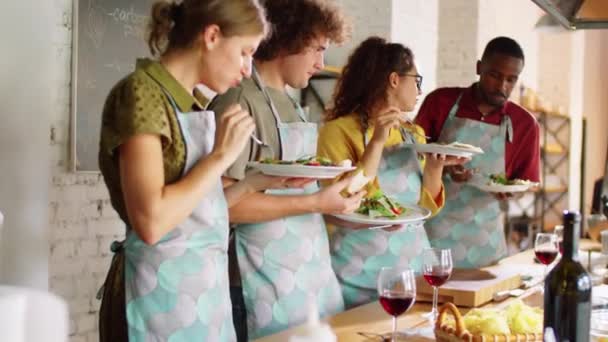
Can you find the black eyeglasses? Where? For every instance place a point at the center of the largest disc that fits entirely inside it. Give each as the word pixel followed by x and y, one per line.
pixel 418 80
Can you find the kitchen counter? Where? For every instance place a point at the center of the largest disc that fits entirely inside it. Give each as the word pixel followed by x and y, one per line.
pixel 371 318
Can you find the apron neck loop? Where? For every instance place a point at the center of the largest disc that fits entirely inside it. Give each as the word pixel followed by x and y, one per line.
pixel 255 76
pixel 407 136
pixel 173 104
pixel 298 107
pixel 364 120
pixel 455 106
pixel 506 128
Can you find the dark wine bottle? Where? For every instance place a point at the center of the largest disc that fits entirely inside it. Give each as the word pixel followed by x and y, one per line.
pixel 568 289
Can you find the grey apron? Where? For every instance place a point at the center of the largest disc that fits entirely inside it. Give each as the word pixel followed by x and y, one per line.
pixel 471 222
pixel 285 263
pixel 358 255
pixel 177 289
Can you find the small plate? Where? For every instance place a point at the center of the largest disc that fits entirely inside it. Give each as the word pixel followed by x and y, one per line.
pixel 412 214
pixel 484 186
pixel 300 171
pixel 445 149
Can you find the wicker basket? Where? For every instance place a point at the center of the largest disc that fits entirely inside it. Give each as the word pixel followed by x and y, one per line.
pixel 447 333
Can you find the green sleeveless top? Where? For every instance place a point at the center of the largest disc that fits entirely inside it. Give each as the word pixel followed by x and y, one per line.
pixel 138 105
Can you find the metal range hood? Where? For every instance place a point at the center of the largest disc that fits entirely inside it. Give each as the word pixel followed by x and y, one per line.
pixel 577 14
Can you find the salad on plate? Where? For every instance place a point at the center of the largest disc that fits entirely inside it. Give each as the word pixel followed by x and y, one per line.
pixel 380 206
pixel 308 161
pixel 501 179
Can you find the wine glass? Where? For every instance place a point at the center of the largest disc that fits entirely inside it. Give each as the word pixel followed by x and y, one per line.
pixel 559 233
pixel 436 270
pixel 397 292
pixel 546 249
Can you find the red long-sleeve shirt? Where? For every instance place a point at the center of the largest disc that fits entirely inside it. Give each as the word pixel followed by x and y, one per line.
pixel 522 156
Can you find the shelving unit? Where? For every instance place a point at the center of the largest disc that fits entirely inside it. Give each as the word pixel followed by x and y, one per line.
pixel 552 197
pixel 318 103
pixel 542 210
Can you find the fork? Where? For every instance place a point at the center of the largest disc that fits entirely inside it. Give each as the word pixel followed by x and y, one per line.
pixel 413 130
pixel 261 143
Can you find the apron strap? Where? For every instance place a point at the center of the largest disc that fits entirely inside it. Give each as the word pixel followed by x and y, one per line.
pixel 407 136
pixel 171 100
pixel 260 84
pixel 299 108
pixel 117 248
pixel 173 103
pixel 455 107
pixel 506 128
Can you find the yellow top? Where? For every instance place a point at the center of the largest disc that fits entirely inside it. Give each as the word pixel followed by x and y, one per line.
pixel 342 139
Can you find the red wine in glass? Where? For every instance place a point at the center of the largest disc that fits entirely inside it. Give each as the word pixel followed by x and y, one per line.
pixel 561 247
pixel 436 278
pixel 546 257
pixel 395 305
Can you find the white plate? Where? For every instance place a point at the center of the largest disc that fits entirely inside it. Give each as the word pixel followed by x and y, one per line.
pixel 411 215
pixel 484 186
pixel 444 149
pixel 300 171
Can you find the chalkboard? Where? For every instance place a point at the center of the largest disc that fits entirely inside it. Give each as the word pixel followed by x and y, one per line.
pixel 108 36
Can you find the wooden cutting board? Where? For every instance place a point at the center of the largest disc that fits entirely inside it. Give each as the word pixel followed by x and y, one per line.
pixel 472 287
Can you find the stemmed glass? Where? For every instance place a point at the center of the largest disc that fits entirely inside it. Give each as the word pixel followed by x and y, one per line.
pixel 436 270
pixel 546 249
pixel 397 292
pixel 559 232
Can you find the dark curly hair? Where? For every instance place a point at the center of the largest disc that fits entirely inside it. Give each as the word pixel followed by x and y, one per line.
pixel 365 77
pixel 294 23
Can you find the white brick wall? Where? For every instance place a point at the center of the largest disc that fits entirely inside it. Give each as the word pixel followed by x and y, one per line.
pixel 368 18
pixel 410 22
pixel 457 51
pixel 82 221
pixel 596 55
pixel 415 25
pixel 555 50
pixel 496 19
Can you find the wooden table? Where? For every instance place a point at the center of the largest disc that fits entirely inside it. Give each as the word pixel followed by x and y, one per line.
pixel 371 318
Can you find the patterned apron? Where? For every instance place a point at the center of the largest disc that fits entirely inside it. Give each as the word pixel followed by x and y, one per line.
pixel 177 290
pixel 471 222
pixel 285 263
pixel 358 255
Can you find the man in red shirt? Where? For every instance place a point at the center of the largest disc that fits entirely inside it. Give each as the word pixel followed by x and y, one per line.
pixel 470 224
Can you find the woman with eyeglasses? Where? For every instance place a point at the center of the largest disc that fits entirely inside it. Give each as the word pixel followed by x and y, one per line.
pixel 368 124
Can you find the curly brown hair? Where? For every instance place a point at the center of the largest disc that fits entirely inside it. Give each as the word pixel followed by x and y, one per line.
pixel 294 23
pixel 365 77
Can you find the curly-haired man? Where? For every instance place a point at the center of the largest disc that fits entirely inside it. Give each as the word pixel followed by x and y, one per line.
pixel 280 239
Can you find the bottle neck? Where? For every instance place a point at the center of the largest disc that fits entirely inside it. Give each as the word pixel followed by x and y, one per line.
pixel 571 238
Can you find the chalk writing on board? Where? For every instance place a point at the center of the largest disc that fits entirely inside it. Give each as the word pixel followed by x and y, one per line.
pixel 134 24
pixel 110 37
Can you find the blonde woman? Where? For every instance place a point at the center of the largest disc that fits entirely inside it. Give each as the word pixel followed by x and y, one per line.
pixel 162 160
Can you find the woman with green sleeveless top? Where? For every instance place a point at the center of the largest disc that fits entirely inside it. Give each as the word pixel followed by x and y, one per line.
pixel 162 160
